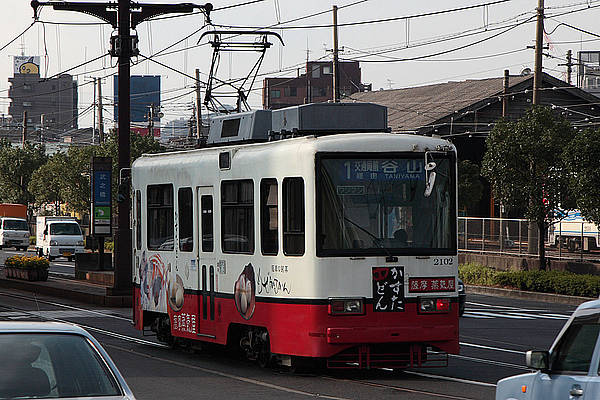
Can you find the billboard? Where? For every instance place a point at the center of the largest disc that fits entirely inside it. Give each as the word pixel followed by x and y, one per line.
pixel 144 91
pixel 26 65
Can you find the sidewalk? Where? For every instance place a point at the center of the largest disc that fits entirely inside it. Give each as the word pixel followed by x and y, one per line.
pixel 71 289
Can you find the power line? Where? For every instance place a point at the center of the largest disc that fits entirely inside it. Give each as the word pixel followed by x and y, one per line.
pixel 17 37
pixel 375 21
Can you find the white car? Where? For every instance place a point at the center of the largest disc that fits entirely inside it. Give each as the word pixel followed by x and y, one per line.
pixel 56 360
pixel 570 370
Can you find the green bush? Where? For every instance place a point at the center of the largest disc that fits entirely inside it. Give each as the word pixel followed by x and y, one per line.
pixel 27 262
pixel 559 282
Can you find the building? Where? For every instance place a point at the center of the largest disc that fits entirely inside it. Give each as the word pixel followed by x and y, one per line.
pixel 465 112
pixel 145 101
pixel 314 86
pixel 588 71
pixel 51 104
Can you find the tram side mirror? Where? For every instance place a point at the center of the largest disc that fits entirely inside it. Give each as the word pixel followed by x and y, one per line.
pixel 429 177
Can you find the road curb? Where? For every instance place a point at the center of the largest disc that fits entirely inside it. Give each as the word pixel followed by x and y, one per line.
pixel 533 296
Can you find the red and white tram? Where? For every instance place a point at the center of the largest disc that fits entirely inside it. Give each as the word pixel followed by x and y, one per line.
pixel 303 233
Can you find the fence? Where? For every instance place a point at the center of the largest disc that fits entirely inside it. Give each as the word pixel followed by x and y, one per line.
pixel 511 236
pixel 494 235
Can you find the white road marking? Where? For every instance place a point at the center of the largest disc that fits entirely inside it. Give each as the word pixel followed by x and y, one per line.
pixel 497 315
pixel 481 346
pixel 51 314
pixel 469 314
pixel 541 316
pixel 72 265
pixel 450 378
pixel 52 303
pixel 491 362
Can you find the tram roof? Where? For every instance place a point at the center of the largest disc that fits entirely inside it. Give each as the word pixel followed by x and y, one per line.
pixel 348 142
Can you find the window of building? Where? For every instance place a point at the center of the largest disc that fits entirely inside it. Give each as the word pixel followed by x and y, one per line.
pixel 268 217
pixel 160 224
pixel 186 219
pixel 316 71
pixel 237 216
pixel 206 206
pixel 293 216
pixel 138 219
pixel 275 93
pixel 327 70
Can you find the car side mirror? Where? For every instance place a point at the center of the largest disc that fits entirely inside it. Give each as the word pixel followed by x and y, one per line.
pixel 537 360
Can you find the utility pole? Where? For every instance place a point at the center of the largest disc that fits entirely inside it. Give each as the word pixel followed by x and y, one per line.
pixel 336 71
pixel 100 118
pixel 199 106
pixel 123 46
pixel 24 131
pixel 569 66
pixel 539 44
pixel 94 117
pixel 151 120
pixel 537 83
pixel 505 93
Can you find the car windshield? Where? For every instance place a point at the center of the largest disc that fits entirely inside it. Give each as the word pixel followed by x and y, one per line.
pixel 66 228
pixel 574 352
pixel 15 225
pixel 378 205
pixel 47 366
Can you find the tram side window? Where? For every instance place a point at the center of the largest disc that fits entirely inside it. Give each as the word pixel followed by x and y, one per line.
pixel 138 219
pixel 237 216
pixel 186 219
pixel 206 205
pixel 293 216
pixel 268 217
pixel 160 223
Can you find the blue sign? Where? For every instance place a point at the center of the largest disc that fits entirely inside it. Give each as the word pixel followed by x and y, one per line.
pixel 381 169
pixel 102 188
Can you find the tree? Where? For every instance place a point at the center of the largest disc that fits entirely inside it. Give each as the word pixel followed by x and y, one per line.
pixel 582 158
pixel 47 182
pixel 524 165
pixel 470 188
pixel 17 165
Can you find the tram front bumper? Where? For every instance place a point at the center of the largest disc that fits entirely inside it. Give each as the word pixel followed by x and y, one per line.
pixel 423 334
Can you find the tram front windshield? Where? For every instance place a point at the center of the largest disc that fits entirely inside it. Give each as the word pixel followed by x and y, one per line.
pixel 379 206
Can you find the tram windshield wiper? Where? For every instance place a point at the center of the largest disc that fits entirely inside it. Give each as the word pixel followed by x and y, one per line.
pixel 376 240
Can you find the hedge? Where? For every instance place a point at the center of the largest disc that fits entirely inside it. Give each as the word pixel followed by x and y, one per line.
pixel 559 282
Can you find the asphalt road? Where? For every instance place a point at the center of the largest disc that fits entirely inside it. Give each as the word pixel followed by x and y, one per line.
pixel 494 334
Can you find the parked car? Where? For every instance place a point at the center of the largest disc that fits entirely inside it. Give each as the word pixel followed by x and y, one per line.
pixel 56 360
pixel 569 370
pixel 462 297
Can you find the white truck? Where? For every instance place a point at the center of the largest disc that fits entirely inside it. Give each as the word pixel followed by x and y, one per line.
pixel 574 232
pixel 14 232
pixel 58 237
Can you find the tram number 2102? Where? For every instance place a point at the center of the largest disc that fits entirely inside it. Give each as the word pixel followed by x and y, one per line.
pixel 443 261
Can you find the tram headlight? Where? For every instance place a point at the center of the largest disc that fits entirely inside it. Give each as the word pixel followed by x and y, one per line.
pixel 346 306
pixel 434 305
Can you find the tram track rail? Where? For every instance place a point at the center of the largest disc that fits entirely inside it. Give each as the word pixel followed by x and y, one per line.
pixel 143 342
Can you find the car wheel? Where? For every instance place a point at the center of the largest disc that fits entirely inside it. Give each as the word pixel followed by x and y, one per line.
pixel 70 258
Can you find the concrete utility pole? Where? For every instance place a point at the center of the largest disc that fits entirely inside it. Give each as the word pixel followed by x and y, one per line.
pixel 94 117
pixel 100 118
pixel 24 131
pixel 336 71
pixel 532 247
pixel 539 45
pixel 198 106
pixel 569 66
pixel 151 120
pixel 505 93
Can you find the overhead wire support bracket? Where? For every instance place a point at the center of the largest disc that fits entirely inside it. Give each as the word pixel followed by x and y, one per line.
pixel 220 44
pixel 107 12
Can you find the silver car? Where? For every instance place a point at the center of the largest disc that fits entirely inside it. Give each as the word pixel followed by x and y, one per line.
pixel 570 370
pixel 56 360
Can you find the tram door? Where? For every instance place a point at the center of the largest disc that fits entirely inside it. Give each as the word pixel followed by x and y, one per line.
pixel 206 263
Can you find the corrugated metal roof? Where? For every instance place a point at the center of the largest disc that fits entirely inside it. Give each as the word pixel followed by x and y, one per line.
pixel 412 108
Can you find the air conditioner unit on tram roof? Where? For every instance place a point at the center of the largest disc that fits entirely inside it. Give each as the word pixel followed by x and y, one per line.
pixel 306 119
pixel 330 118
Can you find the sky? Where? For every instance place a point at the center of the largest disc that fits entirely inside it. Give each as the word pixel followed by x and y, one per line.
pixel 473 43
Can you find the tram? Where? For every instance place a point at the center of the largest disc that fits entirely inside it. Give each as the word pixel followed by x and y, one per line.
pixel 309 233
